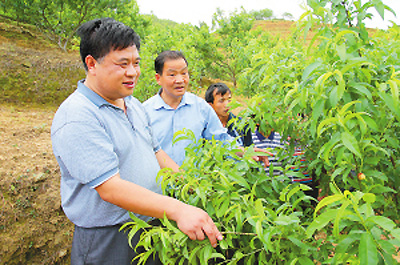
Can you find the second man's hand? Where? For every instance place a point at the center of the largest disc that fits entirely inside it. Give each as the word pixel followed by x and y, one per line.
pixel 263 159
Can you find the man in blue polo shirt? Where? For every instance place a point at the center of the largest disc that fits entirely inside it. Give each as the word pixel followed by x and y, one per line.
pixel 108 156
pixel 173 109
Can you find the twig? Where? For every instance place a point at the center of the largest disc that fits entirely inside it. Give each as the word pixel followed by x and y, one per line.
pixel 238 233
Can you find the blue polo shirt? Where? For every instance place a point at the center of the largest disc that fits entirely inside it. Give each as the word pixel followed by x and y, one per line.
pixel 92 141
pixel 193 113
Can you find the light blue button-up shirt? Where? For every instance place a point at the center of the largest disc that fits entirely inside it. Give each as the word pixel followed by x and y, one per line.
pixel 193 113
pixel 92 141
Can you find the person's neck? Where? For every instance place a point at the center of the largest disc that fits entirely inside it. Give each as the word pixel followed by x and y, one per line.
pixel 119 102
pixel 224 120
pixel 173 102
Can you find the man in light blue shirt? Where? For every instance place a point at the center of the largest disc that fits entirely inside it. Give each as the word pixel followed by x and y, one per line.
pixel 174 109
pixel 108 156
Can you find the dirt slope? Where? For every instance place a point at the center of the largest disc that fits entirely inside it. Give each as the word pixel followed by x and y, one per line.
pixel 33 227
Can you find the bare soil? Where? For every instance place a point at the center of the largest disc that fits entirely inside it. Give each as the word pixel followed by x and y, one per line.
pixel 33 227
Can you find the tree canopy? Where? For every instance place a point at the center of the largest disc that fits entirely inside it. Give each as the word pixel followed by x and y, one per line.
pixel 59 19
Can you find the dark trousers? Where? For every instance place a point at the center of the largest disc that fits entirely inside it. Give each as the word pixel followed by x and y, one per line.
pixel 104 245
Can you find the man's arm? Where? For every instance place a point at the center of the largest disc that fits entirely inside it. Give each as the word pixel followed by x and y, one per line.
pixel 165 161
pixel 192 221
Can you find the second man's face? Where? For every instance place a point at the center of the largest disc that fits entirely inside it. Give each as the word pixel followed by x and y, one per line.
pixel 220 104
pixel 174 79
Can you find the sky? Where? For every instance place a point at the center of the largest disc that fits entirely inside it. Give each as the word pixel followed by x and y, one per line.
pixel 194 12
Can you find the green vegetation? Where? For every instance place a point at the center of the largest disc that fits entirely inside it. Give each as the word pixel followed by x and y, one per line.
pixel 336 95
pixel 58 20
pixel 339 99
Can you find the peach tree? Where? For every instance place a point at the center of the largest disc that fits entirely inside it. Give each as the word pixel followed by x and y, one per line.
pixel 340 100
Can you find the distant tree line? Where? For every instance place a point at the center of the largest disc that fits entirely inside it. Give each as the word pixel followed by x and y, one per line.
pixel 59 19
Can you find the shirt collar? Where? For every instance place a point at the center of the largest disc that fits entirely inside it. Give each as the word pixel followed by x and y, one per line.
pixel 91 95
pixel 262 138
pixel 160 103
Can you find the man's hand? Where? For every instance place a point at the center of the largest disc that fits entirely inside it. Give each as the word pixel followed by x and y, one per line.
pixel 262 158
pixel 196 224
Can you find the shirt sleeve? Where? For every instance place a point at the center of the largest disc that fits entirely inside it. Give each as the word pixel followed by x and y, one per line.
pixel 214 126
pixel 154 141
pixel 87 152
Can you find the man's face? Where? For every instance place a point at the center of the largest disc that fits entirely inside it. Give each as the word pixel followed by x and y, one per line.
pixel 220 104
pixel 116 74
pixel 174 79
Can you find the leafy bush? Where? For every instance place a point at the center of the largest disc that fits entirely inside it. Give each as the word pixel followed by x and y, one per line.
pixel 262 218
pixel 340 99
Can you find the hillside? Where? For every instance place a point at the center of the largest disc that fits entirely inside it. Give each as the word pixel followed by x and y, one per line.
pixel 33 227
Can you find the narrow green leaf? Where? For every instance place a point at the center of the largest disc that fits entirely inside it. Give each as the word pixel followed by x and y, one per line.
pixel 328 123
pixel 380 8
pixel 367 250
pixel 369 197
pixel 294 261
pixel 310 69
pixel 340 213
pixel 328 200
pixel 351 143
pixel 320 222
pixel 298 242
pixel 361 89
pixel 306 261
pixel 383 222
pixel 341 51
pixel 347 242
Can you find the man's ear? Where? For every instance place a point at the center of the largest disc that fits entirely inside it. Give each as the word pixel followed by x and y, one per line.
pixel 158 77
pixel 91 64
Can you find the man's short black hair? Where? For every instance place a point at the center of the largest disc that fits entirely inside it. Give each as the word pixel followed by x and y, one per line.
pixel 100 36
pixel 221 88
pixel 167 55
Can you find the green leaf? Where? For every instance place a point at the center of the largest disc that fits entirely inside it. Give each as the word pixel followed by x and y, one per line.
pixel 380 8
pixel 310 69
pixel 341 50
pixel 333 96
pixel 361 89
pixel 321 80
pixel 223 208
pixel 329 122
pixel 347 242
pixel 383 222
pixel 351 143
pixel 371 123
pixel 184 134
pixel 328 200
pixel 320 222
pixel 318 110
pixel 367 250
pixel 306 261
pixel 340 213
pixel 369 197
pixel 298 242
pixel 395 93
pixel 259 207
